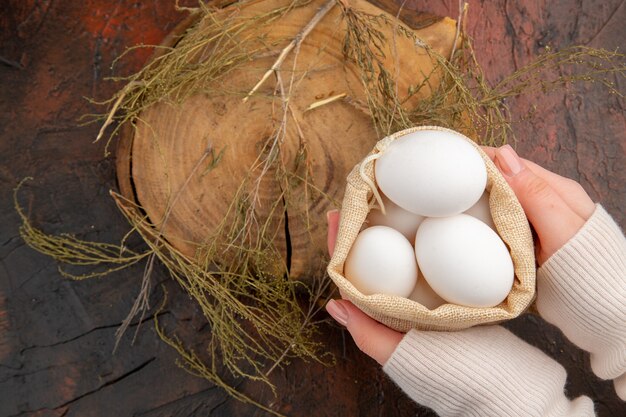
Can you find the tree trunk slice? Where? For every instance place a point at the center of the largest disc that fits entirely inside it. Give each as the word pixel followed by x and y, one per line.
pixel 158 159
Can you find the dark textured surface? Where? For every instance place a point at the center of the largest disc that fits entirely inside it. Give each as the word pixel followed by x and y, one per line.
pixel 56 336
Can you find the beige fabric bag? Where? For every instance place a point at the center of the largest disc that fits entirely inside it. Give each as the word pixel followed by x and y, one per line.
pixel 403 314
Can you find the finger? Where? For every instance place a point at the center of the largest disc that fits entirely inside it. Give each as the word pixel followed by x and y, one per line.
pixel 372 338
pixel 332 217
pixel 553 219
pixel 569 190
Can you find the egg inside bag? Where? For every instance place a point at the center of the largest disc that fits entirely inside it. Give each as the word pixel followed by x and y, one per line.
pixel 464 261
pixel 482 212
pixel 425 295
pixel 431 173
pixel 382 261
pixel 395 217
pixel 471 242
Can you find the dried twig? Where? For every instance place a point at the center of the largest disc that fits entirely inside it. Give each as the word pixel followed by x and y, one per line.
pixel 295 42
pixel 460 23
pixel 324 102
pixel 127 89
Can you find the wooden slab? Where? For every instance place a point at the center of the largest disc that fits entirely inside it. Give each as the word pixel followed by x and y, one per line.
pixel 170 139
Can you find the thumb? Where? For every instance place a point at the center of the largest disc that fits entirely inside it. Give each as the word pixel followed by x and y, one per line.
pixel 374 339
pixel 554 221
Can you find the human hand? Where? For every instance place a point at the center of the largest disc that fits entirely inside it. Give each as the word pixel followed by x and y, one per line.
pixel 556 206
pixel 374 339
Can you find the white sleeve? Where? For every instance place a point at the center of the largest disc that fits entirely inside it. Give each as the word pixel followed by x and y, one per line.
pixel 482 371
pixel 581 289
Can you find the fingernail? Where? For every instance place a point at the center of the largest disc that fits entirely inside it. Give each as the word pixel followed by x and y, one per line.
pixel 510 163
pixel 338 312
pixel 330 213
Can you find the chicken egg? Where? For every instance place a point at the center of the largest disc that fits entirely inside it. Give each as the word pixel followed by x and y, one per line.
pixel 433 173
pixel 381 261
pixel 425 295
pixel 464 261
pixel 481 211
pixel 397 218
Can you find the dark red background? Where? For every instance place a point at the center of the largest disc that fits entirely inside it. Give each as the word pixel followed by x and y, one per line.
pixel 56 336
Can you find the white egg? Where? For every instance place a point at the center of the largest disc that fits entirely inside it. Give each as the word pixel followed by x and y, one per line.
pixel 397 218
pixel 381 261
pixel 425 295
pixel 432 173
pixel 464 261
pixel 481 211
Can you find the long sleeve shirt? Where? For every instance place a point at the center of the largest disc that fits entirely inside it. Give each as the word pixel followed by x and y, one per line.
pixel 488 371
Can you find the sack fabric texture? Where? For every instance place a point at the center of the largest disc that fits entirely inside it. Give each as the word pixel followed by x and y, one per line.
pixel 403 314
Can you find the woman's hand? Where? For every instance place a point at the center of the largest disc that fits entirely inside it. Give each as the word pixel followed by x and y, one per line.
pixel 374 339
pixel 557 207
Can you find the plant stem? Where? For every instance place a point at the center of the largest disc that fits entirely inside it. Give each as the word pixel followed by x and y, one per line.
pixel 296 41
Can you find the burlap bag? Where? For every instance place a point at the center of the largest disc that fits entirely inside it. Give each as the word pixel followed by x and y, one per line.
pixel 403 314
